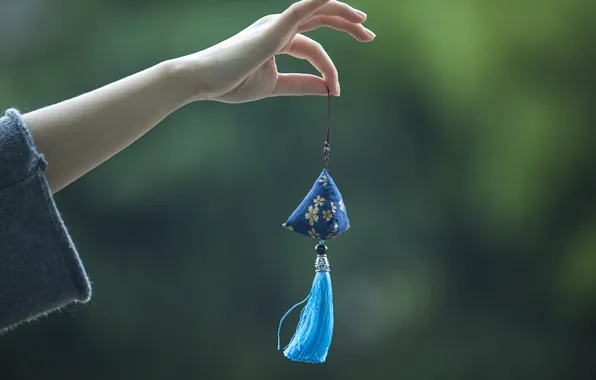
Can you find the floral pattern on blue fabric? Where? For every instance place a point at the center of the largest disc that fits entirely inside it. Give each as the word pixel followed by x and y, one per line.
pixel 322 214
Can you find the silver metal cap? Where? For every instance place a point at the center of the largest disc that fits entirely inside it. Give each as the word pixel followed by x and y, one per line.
pixel 322 264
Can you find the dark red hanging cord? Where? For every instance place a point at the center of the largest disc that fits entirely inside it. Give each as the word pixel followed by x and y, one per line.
pixel 327 147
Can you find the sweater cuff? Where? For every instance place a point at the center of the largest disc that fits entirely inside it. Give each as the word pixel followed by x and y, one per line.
pixel 40 268
pixel 18 156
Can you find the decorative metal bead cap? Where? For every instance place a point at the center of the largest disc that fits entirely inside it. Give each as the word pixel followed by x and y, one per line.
pixel 322 264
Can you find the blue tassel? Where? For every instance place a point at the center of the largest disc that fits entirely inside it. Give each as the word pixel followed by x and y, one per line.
pixel 312 339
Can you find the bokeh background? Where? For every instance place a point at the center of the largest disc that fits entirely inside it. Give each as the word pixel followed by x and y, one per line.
pixel 463 144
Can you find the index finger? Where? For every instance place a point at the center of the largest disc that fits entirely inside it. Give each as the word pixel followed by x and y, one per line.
pixel 306 48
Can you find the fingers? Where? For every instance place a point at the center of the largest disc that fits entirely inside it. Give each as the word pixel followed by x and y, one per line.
pixel 339 16
pixel 302 11
pixel 299 84
pixel 299 12
pixel 307 15
pixel 343 10
pixel 305 48
pixel 356 30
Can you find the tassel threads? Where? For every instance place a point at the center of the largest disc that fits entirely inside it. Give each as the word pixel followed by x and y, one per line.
pixel 311 341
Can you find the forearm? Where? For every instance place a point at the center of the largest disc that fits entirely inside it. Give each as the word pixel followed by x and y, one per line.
pixel 78 134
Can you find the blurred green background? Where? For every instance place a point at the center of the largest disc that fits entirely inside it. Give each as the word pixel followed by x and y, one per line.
pixel 463 144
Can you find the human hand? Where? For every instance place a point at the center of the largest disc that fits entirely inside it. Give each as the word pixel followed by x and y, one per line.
pixel 243 69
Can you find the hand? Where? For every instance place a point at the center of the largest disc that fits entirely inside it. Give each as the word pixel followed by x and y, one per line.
pixel 80 133
pixel 242 68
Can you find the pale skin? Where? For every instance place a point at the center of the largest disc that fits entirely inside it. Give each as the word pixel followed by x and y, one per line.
pixel 78 134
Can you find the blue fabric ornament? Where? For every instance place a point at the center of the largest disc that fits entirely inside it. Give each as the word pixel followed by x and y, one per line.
pixel 322 215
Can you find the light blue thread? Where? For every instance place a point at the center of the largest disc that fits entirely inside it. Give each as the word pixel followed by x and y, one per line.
pixel 312 338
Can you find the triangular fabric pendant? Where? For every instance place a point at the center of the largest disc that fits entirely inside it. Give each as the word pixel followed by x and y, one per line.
pixel 322 215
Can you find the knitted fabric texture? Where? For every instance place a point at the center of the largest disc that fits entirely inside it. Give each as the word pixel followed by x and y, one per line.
pixel 40 269
pixel 322 214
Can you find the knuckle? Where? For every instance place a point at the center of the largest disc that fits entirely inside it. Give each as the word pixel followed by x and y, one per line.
pixel 296 10
pixel 268 18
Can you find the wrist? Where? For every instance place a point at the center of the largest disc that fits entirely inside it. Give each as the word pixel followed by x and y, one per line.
pixel 184 76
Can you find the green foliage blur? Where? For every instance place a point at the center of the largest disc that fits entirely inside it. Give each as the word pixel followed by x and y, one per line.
pixel 463 144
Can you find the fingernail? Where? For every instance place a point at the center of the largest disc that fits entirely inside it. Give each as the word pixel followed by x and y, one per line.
pixel 338 88
pixel 370 33
pixel 360 13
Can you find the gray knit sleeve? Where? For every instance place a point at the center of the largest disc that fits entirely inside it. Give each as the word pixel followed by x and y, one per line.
pixel 40 269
